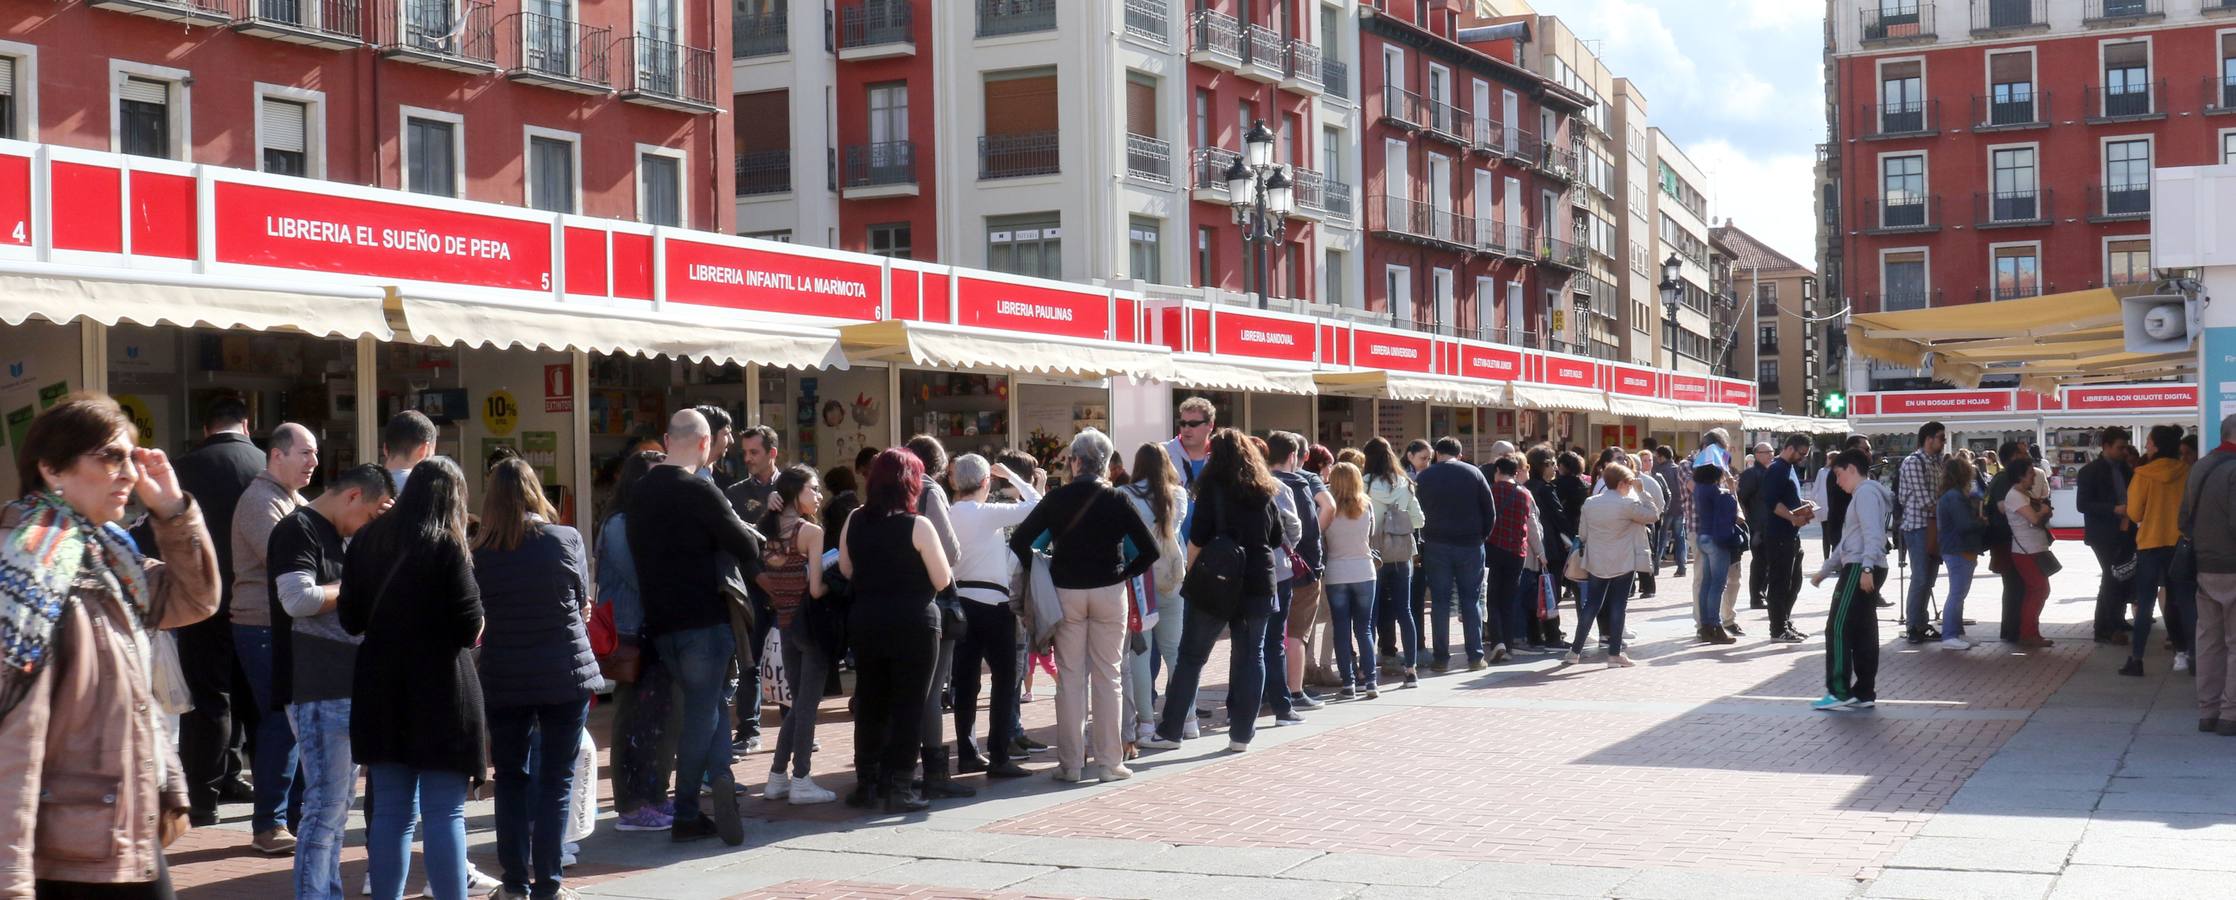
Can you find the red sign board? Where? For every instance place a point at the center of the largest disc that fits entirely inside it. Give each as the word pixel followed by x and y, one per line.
pixel 1395 352
pixel 1937 402
pixel 767 281
pixel 1490 363
pixel 2169 396
pixel 559 388
pixel 263 226
pixel 1264 337
pixel 1571 372
pixel 1737 393
pixel 1633 381
pixel 15 201
pixel 1692 388
pixel 1004 306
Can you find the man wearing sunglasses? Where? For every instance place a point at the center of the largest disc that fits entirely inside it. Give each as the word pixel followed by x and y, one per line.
pixel 1191 448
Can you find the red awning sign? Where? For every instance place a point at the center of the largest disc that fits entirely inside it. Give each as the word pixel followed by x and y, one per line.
pixel 264 226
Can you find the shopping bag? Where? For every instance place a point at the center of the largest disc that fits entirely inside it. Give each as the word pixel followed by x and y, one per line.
pixel 775 690
pixel 582 802
pixel 167 676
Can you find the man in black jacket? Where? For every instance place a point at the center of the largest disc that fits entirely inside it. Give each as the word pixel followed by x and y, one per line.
pixel 680 527
pixel 2102 500
pixel 1750 505
pixel 1459 511
pixel 215 472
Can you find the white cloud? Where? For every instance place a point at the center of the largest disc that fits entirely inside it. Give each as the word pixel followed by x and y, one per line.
pixel 1746 98
pixel 1776 15
pixel 1770 195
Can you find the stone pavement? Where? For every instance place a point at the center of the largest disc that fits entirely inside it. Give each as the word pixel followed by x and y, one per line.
pixel 1699 773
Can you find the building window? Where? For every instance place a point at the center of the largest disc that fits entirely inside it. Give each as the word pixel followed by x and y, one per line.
pixel 1902 97
pixel 1397 285
pixel 2223 95
pixel 14 88
pixel 1902 184
pixel 1021 122
pixel 1902 277
pixel 2015 199
pixel 2228 147
pixel 1766 373
pixel 892 240
pixel 551 173
pixel 143 110
pixel 1204 259
pixel 888 103
pixel 1331 153
pixel 2127 79
pixel 1332 293
pixel 2011 88
pixel 283 136
pixel 2018 272
pixel 1144 251
pixel 431 156
pixel 1766 337
pixel 2127 177
pixel 1025 245
pixel 1766 299
pixel 2127 262
pixel 660 187
pixel 1203 129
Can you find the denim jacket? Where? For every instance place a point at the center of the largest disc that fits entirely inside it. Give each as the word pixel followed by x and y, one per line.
pixel 617 578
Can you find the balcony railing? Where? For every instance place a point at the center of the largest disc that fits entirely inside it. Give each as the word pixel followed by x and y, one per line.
pixel 1321 194
pixel 1262 52
pixel 1910 212
pixel 2134 101
pixel 1017 155
pixel 560 52
pixel 1449 122
pixel 1916 118
pixel 2015 291
pixel 1304 70
pixel 760 33
pixel 2220 94
pixel 670 75
pixel 764 172
pixel 1419 221
pixel 2119 201
pixel 1524 144
pixel 2009 208
pixel 1490 135
pixel 319 23
pixel 1897 23
pixel 1208 168
pixel 2122 12
pixel 1556 251
pixel 883 164
pixel 1149 20
pixel 436 33
pixel 1149 158
pixel 1996 16
pixel 877 23
pixel 1403 107
pixel 996 17
pixel 2013 110
pixel 1560 161
pixel 1897 301
pixel 1335 77
pixel 185 12
pixel 1216 38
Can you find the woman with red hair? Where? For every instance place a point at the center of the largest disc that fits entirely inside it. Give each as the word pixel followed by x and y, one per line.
pixel 896 565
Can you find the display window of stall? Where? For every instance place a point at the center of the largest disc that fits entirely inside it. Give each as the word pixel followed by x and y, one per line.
pixel 166 377
pixel 628 403
pixel 1280 412
pixel 823 418
pixel 1349 422
pixel 1465 423
pixel 967 412
pixel 1050 414
pixel 1400 421
pixel 488 404
pixel 40 363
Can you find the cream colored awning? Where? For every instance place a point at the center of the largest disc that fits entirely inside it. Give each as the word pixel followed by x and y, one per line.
pixel 1785 424
pixel 1196 371
pixel 948 346
pixel 1640 407
pixel 63 294
pixel 2046 341
pixel 1439 389
pixel 1557 398
pixel 595 330
pixel 1704 413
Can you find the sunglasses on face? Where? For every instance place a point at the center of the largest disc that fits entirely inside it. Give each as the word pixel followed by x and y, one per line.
pixel 116 461
pixel 1194 423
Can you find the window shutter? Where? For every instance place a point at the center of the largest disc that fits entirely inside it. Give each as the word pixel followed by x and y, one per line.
pixel 2010 68
pixel 2131 54
pixel 284 125
pixel 141 90
pixel 7 76
pixel 1141 108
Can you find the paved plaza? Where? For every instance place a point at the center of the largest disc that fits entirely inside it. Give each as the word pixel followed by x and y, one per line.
pixel 1699 773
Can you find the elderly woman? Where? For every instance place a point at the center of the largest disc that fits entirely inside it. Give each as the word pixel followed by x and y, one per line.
pixel 982 578
pixel 1616 526
pixel 1088 523
pixel 84 753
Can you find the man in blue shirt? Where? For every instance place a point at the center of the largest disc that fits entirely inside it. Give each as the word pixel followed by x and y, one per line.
pixel 1456 502
pixel 1781 539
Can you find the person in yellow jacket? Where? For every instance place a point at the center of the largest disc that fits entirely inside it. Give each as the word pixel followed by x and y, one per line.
pixel 2154 502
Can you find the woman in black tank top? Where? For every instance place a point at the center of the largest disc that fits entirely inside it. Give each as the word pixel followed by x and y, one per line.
pixel 895 565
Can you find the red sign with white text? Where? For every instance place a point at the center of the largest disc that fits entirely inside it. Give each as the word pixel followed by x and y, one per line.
pixel 15 201
pixel 1264 337
pixel 2170 396
pixel 1691 388
pixel 265 226
pixel 1571 372
pixel 1003 306
pixel 1394 352
pixel 1490 363
pixel 1632 381
pixel 1936 402
pixel 768 281
pixel 1737 393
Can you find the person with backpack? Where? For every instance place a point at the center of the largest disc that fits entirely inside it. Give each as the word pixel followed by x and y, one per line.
pixel 1156 498
pixel 2015 462
pixel 1397 517
pixel 1302 594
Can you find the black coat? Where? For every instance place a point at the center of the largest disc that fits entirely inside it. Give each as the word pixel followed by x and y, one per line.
pixel 1750 495
pixel 2097 496
pixel 216 472
pixel 536 651
pixel 416 699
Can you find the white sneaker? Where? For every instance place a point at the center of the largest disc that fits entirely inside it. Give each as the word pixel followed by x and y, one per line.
pixel 1629 635
pixel 1955 643
pixel 1144 731
pixel 1619 661
pixel 1236 746
pixel 1573 658
pixel 805 792
pixel 2181 662
pixel 1280 720
pixel 1500 654
pixel 478 880
pixel 1191 729
pixel 780 786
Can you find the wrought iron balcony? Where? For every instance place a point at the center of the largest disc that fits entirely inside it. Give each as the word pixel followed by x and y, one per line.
pixel 1263 53
pixel 1208 167
pixel 2008 209
pixel 761 33
pixel 2013 110
pixel 1403 108
pixel 998 17
pixel 2127 103
pixel 1335 76
pixel 1897 22
pixel 1499 237
pixel 1303 72
pixel 763 172
pixel 1490 136
pixel 1419 222
pixel 2119 202
pixel 873 29
pixel 1149 20
pixel 185 12
pixel 1901 213
pixel 1560 162
pixel 1524 146
pixel 1320 196
pixel 2123 12
pixel 2220 94
pixel 559 53
pixel 460 38
pixel 1564 253
pixel 1215 39
pixel 1904 299
pixel 670 75
pixel 1017 155
pixel 883 169
pixel 332 24
pixel 1149 158
pixel 1916 118
pixel 1449 123
pixel 1997 17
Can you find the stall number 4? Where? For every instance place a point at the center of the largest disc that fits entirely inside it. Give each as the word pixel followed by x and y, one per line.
pixel 21 234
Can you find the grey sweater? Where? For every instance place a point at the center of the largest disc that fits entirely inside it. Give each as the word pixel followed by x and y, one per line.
pixel 2208 515
pixel 1863 536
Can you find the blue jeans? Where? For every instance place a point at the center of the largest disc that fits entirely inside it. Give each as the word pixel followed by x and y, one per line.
pixel 1715 570
pixel 1672 542
pixel 699 661
pixel 532 750
pixel 1922 575
pixel 401 796
pixel 272 747
pixel 329 780
pixel 1507 621
pixel 1246 670
pixel 1455 574
pixel 1393 603
pixel 1614 595
pixel 1960 584
pixel 1276 652
pixel 1164 643
pixel 1351 620
pixel 2151 573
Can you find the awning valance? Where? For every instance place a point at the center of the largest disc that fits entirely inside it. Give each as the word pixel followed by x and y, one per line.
pixel 2044 340
pixel 593 330
pixel 1557 398
pixel 1785 424
pixel 948 346
pixel 1639 407
pixel 1196 371
pixel 65 293
pixel 1704 413
pixel 1439 389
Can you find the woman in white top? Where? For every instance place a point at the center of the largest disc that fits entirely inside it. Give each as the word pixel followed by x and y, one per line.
pixel 1155 496
pixel 2029 515
pixel 1396 607
pixel 1615 529
pixel 983 571
pixel 1349 581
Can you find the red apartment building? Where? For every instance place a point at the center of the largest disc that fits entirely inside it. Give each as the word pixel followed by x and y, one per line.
pixel 1251 61
pixel 1470 176
pixel 600 107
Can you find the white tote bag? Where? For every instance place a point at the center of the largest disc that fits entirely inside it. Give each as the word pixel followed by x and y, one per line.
pixel 582 802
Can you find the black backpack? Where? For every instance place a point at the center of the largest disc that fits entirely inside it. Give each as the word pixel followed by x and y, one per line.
pixel 1216 581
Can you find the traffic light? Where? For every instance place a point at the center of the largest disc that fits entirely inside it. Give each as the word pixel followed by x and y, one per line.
pixel 1836 404
pixel 2158 323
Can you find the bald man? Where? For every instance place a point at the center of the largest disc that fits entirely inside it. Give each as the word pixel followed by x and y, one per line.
pixel 290 459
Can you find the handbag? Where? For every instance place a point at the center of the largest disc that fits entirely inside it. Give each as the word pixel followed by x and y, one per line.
pixel 1048 609
pixel 2046 563
pixel 1215 582
pixel 1573 569
pixel 167 676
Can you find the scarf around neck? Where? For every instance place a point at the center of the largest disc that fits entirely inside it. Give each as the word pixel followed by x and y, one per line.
pixel 40 560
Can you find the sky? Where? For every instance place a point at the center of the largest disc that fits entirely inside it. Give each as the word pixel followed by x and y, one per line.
pixel 1739 85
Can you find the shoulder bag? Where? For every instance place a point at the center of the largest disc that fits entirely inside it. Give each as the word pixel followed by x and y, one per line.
pixel 1047 610
pixel 1214 583
pixel 1573 569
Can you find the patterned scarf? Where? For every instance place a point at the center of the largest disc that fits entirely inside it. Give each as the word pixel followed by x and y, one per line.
pixel 40 560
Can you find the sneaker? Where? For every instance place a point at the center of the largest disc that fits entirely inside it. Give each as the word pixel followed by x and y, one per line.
pixel 1620 661
pixel 1305 700
pixel 274 842
pixel 1955 643
pixel 1500 654
pixel 1440 667
pixel 1477 665
pixel 1191 729
pixel 805 792
pixel 1412 679
pixel 1067 776
pixel 1830 703
pixel 1349 692
pixel 1145 732
pixel 2181 662
pixel 729 821
pixel 645 818
pixel 779 787
pixel 692 829
pixel 1788 636
pixel 569 857
pixel 478 880
pixel 1573 658
pixel 1116 773
pixel 1629 635
pixel 1285 719
pixel 505 893
pixel 1370 694
pixel 1237 746
pixel 1863 704
pixel 1734 630
pixel 1914 637
pixel 749 745
pixel 2133 668
pixel 1153 742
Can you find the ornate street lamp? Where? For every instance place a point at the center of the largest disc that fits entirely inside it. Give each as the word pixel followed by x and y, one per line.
pixel 1672 294
pixel 1263 198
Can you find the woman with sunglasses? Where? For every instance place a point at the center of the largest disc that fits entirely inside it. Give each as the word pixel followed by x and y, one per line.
pixel 83 740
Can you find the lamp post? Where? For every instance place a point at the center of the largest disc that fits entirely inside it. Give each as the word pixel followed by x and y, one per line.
pixel 1672 294
pixel 1262 197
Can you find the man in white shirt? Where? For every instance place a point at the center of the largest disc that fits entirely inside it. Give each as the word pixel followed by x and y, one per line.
pixel 984 571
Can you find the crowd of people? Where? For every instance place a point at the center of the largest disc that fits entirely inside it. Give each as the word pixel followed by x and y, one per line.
pixel 393 628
